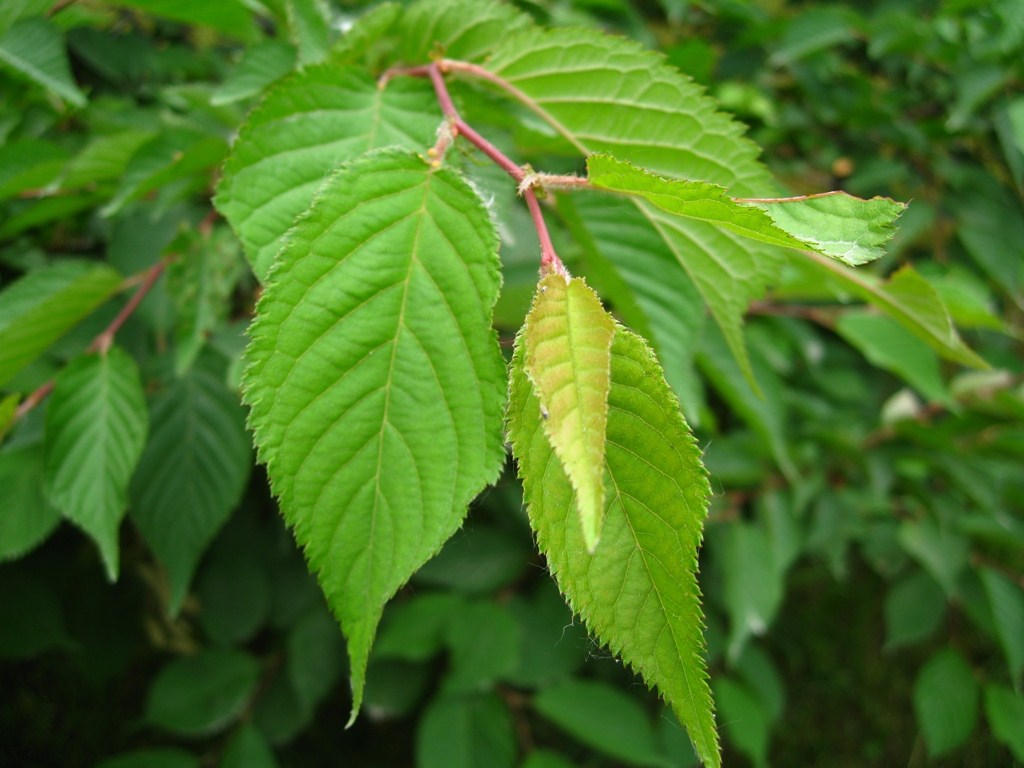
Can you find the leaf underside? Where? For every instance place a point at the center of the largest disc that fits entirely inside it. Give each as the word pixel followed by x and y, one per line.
pixel 567 339
pixel 375 380
pixel 638 592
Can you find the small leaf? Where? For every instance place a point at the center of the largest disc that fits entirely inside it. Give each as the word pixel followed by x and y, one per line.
pixel 945 702
pixel 638 592
pixel 913 610
pixel 39 308
pixel 466 732
pixel 191 474
pixel 95 431
pixel 1004 711
pixel 484 643
pixel 309 29
pixel 259 66
pixel 745 719
pixel 603 717
pixel 375 380
pixel 200 695
pixel 567 354
pixel 248 749
pixel 33 47
pixel 308 123
pixel 28 516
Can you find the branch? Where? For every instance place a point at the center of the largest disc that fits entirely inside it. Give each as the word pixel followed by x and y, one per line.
pixel 105 339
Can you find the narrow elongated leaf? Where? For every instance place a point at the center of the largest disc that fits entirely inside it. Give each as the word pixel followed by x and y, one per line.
pixel 834 224
pixel 308 124
pixel 191 474
pixel 638 592
pixel 95 431
pixel 42 306
pixel 913 303
pixel 945 701
pixel 375 381
pixel 605 94
pixel 34 48
pixel 567 340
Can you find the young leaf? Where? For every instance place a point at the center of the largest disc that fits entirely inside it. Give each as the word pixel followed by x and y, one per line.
pixel 605 94
pixel 191 474
pixel 375 380
pixel 638 592
pixel 308 124
pixel 95 431
pixel 834 224
pixel 42 306
pixel 567 343
pixel 34 48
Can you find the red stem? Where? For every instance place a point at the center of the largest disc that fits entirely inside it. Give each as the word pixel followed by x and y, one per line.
pixel 103 341
pixel 549 260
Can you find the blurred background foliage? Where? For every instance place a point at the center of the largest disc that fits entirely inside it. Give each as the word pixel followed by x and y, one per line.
pixel 863 568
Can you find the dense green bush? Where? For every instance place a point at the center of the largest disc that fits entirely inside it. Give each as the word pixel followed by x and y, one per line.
pixel 863 560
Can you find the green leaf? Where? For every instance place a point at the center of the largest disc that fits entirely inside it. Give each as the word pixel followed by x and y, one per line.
pixel 753 583
pixel 1006 600
pixel 29 164
pixel 308 124
pixel 465 732
pixel 567 343
pixel 415 629
pixel 638 591
pixel 12 10
pixel 602 717
pixel 608 95
pixel 1004 711
pixel 909 300
pixel 913 610
pixel 152 758
pixel 105 158
pixel 39 308
pixel 28 516
pixel 461 29
pixel 476 560
pixel 744 718
pixel 315 656
pixel 484 641
pixel 309 29
pixel 202 694
pixel 943 553
pixel 259 66
pixel 191 474
pixel 230 17
pixel 95 431
pixel 945 702
pixel 34 48
pixel 834 223
pixel 890 346
pixel 375 381
pixel 543 758
pixel 248 749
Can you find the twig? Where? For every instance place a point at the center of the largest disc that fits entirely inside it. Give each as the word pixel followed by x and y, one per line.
pixel 105 339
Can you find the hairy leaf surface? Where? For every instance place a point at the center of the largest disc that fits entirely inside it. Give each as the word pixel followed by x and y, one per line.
pixel 95 430
pixel 42 306
pixel 567 340
pixel 461 29
pixel 834 224
pixel 307 124
pixel 375 380
pixel 191 474
pixel 605 94
pixel 638 592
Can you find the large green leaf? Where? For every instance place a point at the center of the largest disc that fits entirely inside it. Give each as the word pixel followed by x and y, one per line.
pixel 605 94
pixel 191 474
pixel 34 48
pixel 375 381
pixel 834 224
pixel 42 306
pixel 308 124
pixel 945 701
pixel 567 343
pixel 95 431
pixel 638 592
